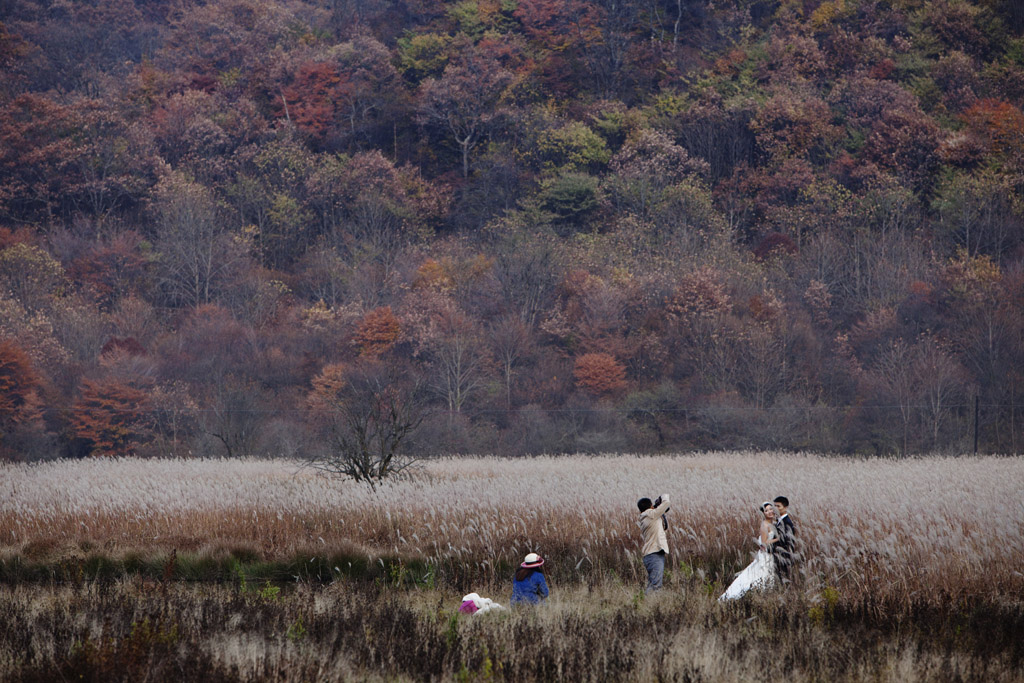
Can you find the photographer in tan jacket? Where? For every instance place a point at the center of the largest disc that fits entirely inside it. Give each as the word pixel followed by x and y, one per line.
pixel 655 546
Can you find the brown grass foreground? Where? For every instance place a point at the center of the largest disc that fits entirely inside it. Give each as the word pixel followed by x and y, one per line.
pixel 132 630
pixel 912 571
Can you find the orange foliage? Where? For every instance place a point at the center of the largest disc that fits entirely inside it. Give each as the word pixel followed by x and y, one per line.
pixel 699 296
pixel 435 274
pixel 314 98
pixel 112 416
pixel 377 332
pixel 599 373
pixel 327 388
pixel 1001 123
pixel 973 280
pixel 764 308
pixel 447 274
pixel 19 383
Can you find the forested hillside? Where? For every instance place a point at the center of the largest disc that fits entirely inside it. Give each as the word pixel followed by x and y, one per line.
pixel 552 225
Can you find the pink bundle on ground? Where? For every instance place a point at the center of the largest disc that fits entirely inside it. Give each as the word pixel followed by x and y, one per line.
pixel 473 604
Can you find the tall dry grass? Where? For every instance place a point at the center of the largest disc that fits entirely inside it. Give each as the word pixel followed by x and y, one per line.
pixel 884 533
pixel 132 631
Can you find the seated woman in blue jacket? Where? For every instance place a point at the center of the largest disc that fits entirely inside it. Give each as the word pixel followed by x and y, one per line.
pixel 529 586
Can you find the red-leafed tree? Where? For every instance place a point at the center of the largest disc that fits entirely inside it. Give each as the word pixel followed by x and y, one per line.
pixel 1001 125
pixel 342 94
pixel 599 374
pixel 377 332
pixel 314 98
pixel 19 388
pixel 559 25
pixel 111 417
pixel 113 267
pixel 36 154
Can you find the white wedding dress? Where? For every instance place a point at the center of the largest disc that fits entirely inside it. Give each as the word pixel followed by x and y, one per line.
pixel 758 574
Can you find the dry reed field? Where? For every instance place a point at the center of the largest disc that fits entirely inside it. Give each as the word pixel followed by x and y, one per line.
pixel 912 570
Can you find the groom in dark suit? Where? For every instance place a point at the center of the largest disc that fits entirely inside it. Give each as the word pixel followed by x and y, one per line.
pixel 784 552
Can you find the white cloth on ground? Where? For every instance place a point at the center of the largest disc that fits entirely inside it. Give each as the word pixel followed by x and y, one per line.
pixel 482 604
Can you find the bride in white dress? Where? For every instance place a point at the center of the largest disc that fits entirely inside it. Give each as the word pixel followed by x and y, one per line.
pixel 761 572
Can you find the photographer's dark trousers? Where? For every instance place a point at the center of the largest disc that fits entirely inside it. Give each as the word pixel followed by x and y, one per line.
pixel 655 565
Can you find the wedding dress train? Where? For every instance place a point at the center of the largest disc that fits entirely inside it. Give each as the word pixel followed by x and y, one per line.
pixel 758 574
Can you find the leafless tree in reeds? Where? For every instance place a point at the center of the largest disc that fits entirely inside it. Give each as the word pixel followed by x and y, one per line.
pixel 369 418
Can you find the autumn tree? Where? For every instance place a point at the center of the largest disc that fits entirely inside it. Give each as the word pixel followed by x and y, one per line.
pixel 175 417
pixel 312 100
pixel 81 158
pixel 111 417
pixel 646 166
pixel 599 374
pixel 527 275
pixel 591 316
pixel 464 101
pixel 12 49
pixel 719 133
pixel 216 357
pixel 234 413
pixel 114 160
pixel 572 147
pixel 975 292
pixel 905 140
pixel 31 275
pixel 20 402
pixel 36 157
pixel 377 332
pixel 665 188
pixel 762 361
pixel 237 36
pixel 454 344
pixel 791 126
pixel 978 213
pixel 373 87
pixel 944 389
pixel 511 342
pixel 113 267
pixel 195 127
pixel 196 254
pixel 698 327
pixel 271 198
pixel 999 125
